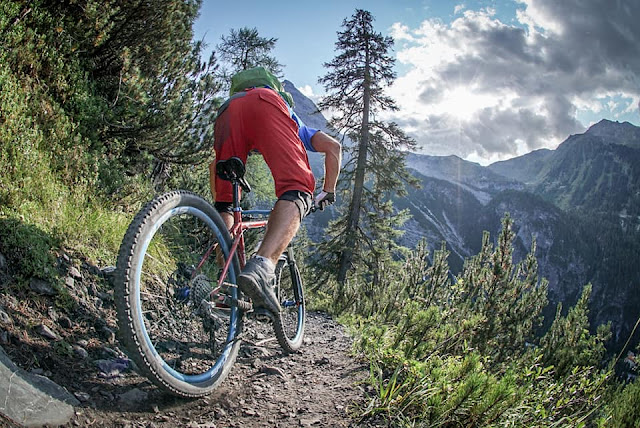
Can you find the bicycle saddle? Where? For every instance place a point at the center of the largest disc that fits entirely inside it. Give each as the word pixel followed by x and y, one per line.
pixel 233 170
pixel 230 169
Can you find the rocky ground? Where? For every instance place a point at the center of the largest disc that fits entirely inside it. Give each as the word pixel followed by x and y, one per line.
pixel 72 341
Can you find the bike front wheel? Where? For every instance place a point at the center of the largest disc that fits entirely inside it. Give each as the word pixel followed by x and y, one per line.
pixel 289 324
pixel 183 339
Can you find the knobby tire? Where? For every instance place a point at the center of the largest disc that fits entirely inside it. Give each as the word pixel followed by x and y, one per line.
pixel 161 321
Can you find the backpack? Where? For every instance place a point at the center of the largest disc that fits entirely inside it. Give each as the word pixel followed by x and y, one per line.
pixel 258 77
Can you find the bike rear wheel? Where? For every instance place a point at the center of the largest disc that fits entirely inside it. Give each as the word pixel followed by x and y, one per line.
pixel 168 264
pixel 289 324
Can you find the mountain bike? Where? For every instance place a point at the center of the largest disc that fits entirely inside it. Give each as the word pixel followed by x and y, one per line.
pixel 180 313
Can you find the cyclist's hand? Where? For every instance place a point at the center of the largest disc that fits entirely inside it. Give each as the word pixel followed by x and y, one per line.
pixel 324 199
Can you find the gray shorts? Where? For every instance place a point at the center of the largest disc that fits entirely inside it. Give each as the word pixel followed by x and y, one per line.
pixel 301 199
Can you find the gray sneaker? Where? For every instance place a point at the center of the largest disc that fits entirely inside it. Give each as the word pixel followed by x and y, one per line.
pixel 256 282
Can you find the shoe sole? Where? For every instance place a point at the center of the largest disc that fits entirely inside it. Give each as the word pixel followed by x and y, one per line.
pixel 260 299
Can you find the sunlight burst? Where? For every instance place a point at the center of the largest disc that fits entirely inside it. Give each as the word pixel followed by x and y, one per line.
pixel 463 103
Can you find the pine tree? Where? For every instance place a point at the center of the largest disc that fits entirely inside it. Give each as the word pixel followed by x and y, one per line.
pixel 245 48
pixel 150 95
pixel 569 344
pixel 507 296
pixel 127 76
pixel 159 96
pixel 355 82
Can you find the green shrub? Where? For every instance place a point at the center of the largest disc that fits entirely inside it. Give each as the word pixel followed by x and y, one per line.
pixel 29 250
pixel 624 408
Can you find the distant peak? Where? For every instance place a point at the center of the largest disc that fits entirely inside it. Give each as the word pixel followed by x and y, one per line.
pixel 607 127
pixel 621 133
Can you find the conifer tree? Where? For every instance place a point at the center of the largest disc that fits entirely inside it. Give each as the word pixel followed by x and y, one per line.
pixel 159 95
pixel 375 171
pixel 569 344
pixel 245 48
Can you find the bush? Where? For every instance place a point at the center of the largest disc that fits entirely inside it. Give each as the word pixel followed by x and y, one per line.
pixel 29 250
pixel 624 409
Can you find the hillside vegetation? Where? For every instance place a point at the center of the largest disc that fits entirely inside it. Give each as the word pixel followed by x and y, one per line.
pixel 104 103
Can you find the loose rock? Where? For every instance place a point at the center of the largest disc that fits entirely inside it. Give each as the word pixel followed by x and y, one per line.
pixel 41 286
pixel 112 368
pixel 275 371
pixel 83 397
pixel 75 273
pixel 307 422
pixel 322 361
pixel 133 397
pixel 65 322
pixel 70 282
pixel 109 273
pixel 5 318
pixel 108 334
pixel 45 331
pixel 80 352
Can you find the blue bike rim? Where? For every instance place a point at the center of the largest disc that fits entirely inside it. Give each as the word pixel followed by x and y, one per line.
pixel 217 368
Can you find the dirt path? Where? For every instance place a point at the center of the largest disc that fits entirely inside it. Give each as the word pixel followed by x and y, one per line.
pixel 315 387
pixel 78 350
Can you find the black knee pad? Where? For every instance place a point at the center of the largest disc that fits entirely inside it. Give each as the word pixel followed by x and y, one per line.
pixel 301 199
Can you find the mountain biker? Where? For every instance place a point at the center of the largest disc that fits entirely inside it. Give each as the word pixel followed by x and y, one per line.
pixel 258 116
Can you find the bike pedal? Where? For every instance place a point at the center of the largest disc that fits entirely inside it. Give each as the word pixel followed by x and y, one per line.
pixel 227 299
pixel 229 285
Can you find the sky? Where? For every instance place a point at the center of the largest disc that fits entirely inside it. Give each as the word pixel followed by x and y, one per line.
pixel 485 80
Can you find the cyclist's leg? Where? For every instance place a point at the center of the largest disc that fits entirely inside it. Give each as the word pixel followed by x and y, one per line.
pixel 283 225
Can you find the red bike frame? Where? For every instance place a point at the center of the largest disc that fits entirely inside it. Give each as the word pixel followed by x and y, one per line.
pixel 237 233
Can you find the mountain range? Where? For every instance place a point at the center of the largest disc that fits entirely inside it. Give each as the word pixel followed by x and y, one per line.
pixel 580 202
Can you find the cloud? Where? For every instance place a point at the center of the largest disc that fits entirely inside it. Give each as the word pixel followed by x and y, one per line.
pixel 307 91
pixel 491 90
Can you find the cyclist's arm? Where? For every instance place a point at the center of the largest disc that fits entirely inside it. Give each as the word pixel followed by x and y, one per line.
pixel 332 150
pixel 318 141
